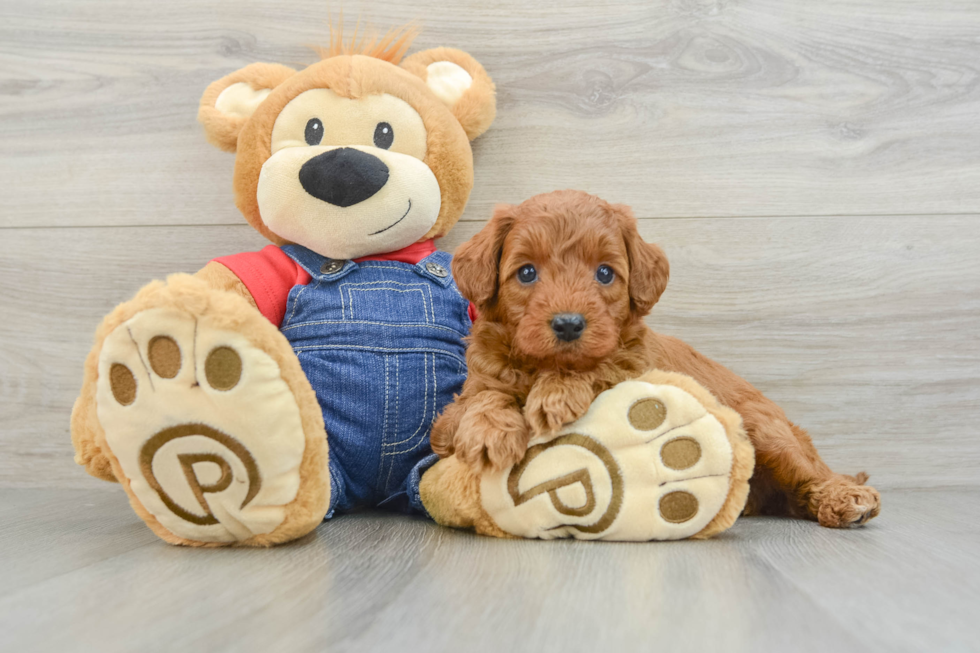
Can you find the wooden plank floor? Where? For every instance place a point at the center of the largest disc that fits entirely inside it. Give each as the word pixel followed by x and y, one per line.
pixel 812 170
pixel 81 572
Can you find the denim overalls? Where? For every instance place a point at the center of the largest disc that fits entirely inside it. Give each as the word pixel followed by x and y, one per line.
pixel 382 345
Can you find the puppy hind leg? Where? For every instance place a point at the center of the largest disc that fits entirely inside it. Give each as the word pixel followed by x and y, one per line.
pixel 794 468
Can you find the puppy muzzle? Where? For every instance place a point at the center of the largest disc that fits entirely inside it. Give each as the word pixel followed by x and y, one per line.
pixel 568 326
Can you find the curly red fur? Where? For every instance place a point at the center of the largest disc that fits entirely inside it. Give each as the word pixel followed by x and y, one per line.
pixel 523 380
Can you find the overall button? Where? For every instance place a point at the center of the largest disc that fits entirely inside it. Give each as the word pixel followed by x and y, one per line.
pixel 437 270
pixel 331 266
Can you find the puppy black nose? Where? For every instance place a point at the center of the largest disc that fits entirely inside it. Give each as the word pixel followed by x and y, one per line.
pixel 343 177
pixel 568 326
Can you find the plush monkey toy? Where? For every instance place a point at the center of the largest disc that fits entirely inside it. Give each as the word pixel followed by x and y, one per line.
pixel 212 398
pixel 208 396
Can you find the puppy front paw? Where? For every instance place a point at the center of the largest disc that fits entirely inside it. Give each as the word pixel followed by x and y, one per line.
pixel 491 436
pixel 553 403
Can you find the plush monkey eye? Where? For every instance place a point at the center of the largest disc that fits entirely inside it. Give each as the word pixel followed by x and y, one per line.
pixel 527 274
pixel 314 131
pixel 605 275
pixel 384 135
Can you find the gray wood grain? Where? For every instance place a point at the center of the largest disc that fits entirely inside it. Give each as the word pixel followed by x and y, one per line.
pixel 368 582
pixel 925 569
pixel 678 107
pixel 863 329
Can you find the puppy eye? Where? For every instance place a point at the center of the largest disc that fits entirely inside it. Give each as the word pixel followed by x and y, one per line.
pixel 605 275
pixel 384 135
pixel 314 131
pixel 527 274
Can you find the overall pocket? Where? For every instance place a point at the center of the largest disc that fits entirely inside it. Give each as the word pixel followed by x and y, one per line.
pixel 387 302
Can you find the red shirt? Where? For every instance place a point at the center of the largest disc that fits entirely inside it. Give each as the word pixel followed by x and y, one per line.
pixel 270 274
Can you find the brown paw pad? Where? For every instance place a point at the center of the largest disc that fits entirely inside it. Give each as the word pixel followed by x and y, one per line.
pixel 647 414
pixel 123 384
pixel 223 368
pixel 681 453
pixel 164 355
pixel 678 507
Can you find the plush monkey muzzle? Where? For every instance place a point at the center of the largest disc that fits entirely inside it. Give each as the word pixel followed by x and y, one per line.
pixel 344 176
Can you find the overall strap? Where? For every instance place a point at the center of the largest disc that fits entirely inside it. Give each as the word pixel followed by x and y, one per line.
pixel 319 267
pixel 437 267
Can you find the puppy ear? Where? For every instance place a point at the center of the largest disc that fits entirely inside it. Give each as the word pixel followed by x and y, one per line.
pixel 460 82
pixel 649 269
pixel 228 103
pixel 476 263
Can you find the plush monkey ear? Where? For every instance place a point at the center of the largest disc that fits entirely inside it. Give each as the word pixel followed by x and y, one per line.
pixel 476 263
pixel 228 103
pixel 649 269
pixel 460 82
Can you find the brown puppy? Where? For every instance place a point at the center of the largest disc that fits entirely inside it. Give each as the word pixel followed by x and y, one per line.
pixel 562 283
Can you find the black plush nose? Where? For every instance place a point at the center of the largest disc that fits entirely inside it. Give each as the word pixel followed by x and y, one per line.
pixel 343 177
pixel 568 326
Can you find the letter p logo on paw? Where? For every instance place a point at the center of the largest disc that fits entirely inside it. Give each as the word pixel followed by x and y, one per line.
pixel 247 480
pixel 578 488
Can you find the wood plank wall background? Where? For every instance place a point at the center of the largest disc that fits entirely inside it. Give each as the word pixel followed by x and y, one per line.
pixel 811 168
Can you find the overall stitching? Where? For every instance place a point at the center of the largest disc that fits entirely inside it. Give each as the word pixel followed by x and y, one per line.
pixel 428 411
pixel 425 410
pixel 384 324
pixel 379 266
pixel 296 300
pixel 459 294
pixel 345 286
pixel 384 429
pixel 398 392
pixel 391 350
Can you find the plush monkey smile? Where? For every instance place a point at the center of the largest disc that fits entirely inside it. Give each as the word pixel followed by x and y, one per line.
pixel 396 215
pixel 380 231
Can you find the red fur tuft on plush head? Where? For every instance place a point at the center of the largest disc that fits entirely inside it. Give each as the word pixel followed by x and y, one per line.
pixel 391 47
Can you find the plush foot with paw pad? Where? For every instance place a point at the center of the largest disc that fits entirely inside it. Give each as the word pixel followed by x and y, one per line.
pixel 655 458
pixel 205 433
